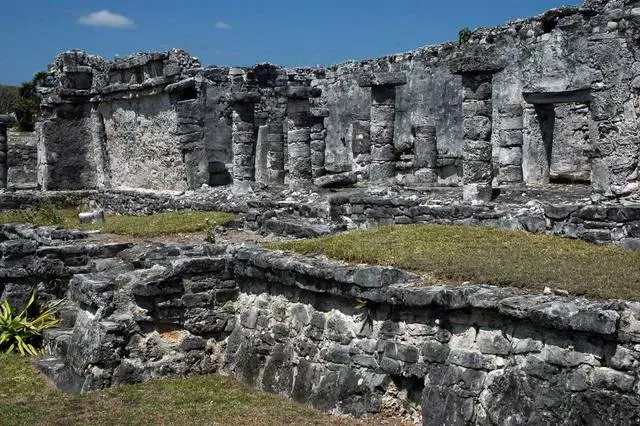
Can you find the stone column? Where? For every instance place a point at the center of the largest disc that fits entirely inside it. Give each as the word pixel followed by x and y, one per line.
pixel 243 136
pixel 299 136
pixel 510 119
pixel 5 120
pixel 426 154
pixel 477 172
pixel 275 153
pixel 318 144
pixel 383 113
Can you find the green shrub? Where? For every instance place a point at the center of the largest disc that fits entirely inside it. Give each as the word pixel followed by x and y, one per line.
pixel 19 333
pixel 464 35
pixel 26 110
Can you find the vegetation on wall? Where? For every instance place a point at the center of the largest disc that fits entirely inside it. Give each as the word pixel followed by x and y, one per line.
pixel 21 333
pixel 464 35
pixel 457 254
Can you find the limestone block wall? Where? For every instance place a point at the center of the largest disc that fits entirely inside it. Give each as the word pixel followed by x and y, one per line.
pixel 22 160
pixel 354 339
pixel 65 154
pixel 4 122
pixel 140 144
pixel 604 224
pixel 577 65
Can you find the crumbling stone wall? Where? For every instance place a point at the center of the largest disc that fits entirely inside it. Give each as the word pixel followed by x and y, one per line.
pixel 489 100
pixel 352 338
pixel 22 160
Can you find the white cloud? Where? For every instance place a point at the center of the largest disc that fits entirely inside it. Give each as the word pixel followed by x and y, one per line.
pixel 221 25
pixel 104 18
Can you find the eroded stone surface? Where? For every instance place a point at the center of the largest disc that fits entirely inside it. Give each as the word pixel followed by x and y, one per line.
pixel 357 339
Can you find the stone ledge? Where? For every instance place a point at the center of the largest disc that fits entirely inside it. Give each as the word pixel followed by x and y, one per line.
pixel 382 79
pixel 395 287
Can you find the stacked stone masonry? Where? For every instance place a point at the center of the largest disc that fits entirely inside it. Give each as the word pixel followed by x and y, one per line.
pixel 355 339
pixel 550 99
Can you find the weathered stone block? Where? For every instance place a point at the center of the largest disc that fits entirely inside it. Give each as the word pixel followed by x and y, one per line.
pixel 477 192
pixel 383 114
pixel 477 150
pixel 477 172
pixel 477 127
pixel 296 136
pixel 381 135
pixel 382 79
pixel 383 153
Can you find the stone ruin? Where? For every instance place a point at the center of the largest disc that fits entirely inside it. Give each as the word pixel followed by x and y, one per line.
pixel 532 125
pixel 552 99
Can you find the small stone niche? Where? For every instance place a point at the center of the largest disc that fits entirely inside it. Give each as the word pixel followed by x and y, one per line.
pixel 556 138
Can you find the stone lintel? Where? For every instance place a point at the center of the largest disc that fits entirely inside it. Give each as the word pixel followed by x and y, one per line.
pixel 247 97
pixel 302 92
pixel 476 59
pixel 298 92
pixel 537 98
pixel 387 79
pixel 181 85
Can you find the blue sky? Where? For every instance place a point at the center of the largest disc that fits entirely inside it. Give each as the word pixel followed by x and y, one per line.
pixel 240 32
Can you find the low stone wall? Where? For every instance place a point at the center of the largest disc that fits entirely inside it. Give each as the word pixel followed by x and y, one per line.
pixel 22 159
pixel 132 202
pixel 599 223
pixel 355 339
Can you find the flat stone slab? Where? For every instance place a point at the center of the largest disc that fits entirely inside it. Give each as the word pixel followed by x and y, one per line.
pixel 337 180
pixel 382 79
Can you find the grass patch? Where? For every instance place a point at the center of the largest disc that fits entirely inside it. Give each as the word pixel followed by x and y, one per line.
pixel 136 226
pixel 26 399
pixel 454 254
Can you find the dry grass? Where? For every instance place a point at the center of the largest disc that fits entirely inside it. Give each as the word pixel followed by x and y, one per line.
pixel 453 255
pixel 26 399
pixel 134 226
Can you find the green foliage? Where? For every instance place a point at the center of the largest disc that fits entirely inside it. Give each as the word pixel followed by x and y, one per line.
pixel 464 35
pixel 18 332
pixel 27 106
pixel 27 399
pixel 44 215
pixel 136 226
pixel 211 235
pixel 9 95
pixel 454 254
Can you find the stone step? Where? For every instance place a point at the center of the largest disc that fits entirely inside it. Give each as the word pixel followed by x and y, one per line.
pixel 56 370
pixel 299 227
pixel 56 341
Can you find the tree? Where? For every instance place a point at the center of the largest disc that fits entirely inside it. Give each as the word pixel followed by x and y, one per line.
pixel 27 107
pixel 8 97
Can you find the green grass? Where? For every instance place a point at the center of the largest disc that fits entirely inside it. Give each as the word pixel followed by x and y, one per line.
pixel 26 399
pixel 453 255
pixel 136 226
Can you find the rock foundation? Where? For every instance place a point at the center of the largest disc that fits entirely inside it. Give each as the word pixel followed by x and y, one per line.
pixel 354 339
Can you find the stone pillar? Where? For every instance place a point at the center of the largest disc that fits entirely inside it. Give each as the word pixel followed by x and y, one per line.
pixel 511 139
pixel 383 113
pixel 275 153
pixel 5 120
pixel 318 144
pixel 243 136
pixel 299 136
pixel 477 169
pixel 426 154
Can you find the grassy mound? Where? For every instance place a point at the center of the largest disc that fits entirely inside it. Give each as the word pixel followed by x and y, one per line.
pixel 135 226
pixel 25 399
pixel 453 255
